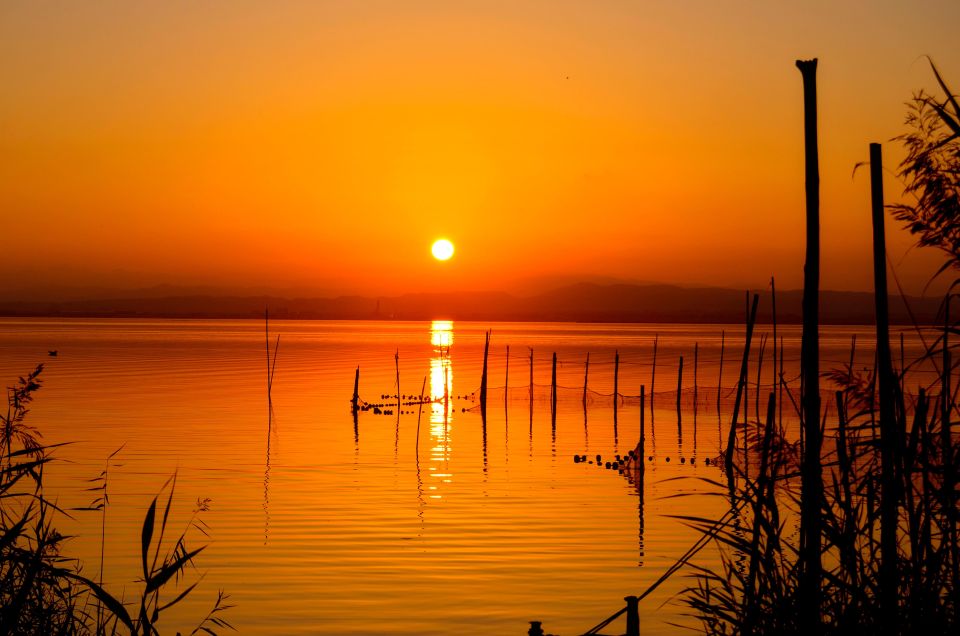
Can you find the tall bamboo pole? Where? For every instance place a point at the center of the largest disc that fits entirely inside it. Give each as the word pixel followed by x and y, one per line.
pixel 811 475
pixel 889 504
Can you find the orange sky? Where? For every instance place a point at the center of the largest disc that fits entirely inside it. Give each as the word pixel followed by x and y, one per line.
pixel 324 145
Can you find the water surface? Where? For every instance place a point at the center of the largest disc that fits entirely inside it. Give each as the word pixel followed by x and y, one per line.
pixel 319 524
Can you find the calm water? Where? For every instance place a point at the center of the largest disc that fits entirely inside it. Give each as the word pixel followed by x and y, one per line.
pixel 320 526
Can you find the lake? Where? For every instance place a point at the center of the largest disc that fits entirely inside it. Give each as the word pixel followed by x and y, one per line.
pixel 429 521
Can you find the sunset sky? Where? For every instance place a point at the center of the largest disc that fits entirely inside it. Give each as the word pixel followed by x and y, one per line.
pixel 323 146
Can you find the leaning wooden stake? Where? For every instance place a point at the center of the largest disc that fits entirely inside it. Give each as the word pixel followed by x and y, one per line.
pixel 889 504
pixel 811 475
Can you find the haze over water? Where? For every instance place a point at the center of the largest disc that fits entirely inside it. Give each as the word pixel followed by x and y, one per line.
pixel 316 526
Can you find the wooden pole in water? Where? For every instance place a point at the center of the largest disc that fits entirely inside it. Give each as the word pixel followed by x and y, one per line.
pixel 553 387
pixel 586 374
pixel 506 378
pixel 633 615
pixel 679 386
pixel 616 379
pixel 396 360
pixel 643 434
pixel 355 401
pixel 531 379
pixel 889 501
pixel 773 300
pixel 723 335
pixel 616 395
pixel 756 401
pixel 811 471
pixel 746 383
pixel 780 391
pixel 483 376
pixel 423 387
pixel 653 375
pixel 696 363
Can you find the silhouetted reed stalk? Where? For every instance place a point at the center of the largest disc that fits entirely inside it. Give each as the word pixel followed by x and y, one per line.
pixel 43 591
pixel 741 387
pixel 271 365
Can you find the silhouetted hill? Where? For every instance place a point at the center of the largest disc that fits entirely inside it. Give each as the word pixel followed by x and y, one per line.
pixel 582 302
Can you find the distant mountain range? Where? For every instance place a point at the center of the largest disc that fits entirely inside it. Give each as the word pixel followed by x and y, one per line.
pixel 582 302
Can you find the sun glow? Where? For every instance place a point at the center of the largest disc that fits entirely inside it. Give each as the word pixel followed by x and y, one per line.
pixel 442 249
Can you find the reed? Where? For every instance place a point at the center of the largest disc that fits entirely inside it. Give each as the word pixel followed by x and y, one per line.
pixel 741 385
pixel 877 551
pixel 42 590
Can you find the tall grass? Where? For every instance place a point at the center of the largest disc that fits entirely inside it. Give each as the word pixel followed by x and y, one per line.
pixel 45 591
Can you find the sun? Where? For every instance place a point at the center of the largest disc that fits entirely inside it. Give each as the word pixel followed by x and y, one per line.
pixel 442 249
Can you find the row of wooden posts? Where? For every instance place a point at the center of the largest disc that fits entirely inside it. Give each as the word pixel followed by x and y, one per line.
pixel 484 378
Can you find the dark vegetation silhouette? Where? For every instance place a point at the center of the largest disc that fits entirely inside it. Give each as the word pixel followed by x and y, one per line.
pixel 876 550
pixel 44 591
pixel 859 535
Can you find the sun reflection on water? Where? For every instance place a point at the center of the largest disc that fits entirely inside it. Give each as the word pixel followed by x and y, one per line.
pixel 441 412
